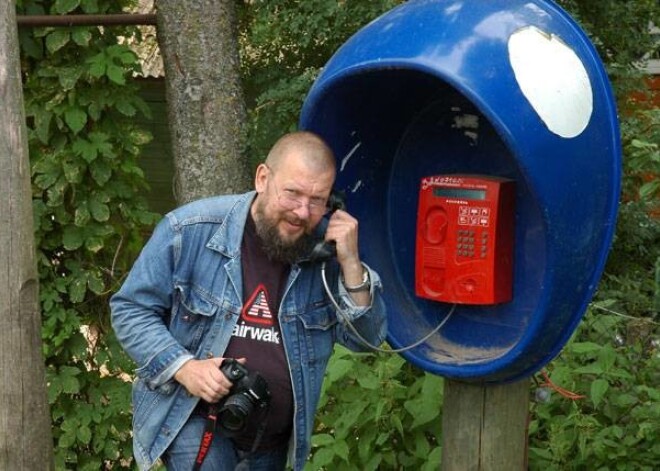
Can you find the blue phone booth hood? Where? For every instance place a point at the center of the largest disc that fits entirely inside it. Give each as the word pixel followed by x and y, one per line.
pixel 508 88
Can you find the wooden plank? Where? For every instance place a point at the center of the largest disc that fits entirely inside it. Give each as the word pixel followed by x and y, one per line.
pixel 484 427
pixel 462 414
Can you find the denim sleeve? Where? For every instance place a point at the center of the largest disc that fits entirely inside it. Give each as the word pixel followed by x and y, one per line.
pixel 140 309
pixel 370 321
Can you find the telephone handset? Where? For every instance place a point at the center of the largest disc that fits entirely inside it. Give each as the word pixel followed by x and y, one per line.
pixel 323 250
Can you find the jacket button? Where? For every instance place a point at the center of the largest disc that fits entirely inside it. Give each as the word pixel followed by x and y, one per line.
pixel 228 316
pixel 209 355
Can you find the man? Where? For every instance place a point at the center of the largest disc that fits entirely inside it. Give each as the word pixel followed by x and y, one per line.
pixel 226 277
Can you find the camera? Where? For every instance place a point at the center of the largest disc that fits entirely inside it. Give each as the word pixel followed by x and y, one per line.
pixel 248 394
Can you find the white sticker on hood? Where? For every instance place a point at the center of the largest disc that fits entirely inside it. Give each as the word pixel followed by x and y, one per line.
pixel 553 79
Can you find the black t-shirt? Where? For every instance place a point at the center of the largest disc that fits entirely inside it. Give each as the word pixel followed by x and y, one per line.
pixel 257 338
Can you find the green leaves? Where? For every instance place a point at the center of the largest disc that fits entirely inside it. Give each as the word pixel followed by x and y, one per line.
pixel 376 413
pixel 91 236
pixel 616 426
pixel 426 406
pixel 81 282
pixel 98 207
pixel 112 63
pixel 97 143
pixel 75 118
pixel 90 217
pixel 598 390
pixel 65 381
pixel 65 6
pixel 81 36
pixel 57 39
pixel 72 238
pixel 643 155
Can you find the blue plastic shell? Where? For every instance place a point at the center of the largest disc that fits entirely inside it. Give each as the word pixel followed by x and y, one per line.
pixel 436 87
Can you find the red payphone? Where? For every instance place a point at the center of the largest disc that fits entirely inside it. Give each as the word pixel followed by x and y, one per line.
pixel 464 243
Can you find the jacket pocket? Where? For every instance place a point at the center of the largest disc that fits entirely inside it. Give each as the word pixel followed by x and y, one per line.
pixel 150 410
pixel 194 312
pixel 318 320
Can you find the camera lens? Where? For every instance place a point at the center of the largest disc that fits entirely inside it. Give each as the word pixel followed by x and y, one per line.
pixel 233 415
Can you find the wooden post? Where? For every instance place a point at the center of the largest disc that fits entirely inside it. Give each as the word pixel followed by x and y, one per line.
pixel 484 427
pixel 25 429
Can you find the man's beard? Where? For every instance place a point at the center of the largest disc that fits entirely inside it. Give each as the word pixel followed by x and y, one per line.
pixel 278 249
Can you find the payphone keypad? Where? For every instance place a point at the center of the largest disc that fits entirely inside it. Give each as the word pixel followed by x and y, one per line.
pixel 466 246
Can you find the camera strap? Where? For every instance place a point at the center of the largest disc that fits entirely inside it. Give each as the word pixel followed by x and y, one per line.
pixel 207 436
pixel 209 433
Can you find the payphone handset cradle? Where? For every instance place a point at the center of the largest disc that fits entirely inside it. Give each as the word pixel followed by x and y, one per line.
pixel 464 241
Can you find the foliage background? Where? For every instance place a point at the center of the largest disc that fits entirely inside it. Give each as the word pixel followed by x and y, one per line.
pixel 378 412
pixel 89 220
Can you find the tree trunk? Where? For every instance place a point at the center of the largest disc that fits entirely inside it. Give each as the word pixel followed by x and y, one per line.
pixel 25 427
pixel 206 110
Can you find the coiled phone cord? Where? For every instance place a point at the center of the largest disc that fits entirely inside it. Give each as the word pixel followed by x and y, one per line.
pixel 365 341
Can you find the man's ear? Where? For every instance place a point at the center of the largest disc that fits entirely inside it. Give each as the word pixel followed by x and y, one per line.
pixel 261 178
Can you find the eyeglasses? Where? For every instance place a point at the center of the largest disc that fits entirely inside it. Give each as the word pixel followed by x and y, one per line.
pixel 292 199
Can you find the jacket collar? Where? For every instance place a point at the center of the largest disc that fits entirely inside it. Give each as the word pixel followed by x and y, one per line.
pixel 227 239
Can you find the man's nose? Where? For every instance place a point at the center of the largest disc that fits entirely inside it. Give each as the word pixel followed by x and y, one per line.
pixel 302 212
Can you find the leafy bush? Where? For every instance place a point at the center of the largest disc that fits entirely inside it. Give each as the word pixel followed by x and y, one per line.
pixel 89 215
pixel 377 413
pixel 616 362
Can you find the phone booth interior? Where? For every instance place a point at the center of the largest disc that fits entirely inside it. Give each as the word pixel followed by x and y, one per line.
pixel 416 94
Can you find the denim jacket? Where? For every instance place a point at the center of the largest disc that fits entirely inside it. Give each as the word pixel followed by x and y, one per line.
pixel 183 297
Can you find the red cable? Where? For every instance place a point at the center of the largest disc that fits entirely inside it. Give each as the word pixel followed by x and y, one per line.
pixel 564 392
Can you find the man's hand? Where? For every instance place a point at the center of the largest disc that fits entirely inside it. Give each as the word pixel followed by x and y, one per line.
pixel 203 378
pixel 343 229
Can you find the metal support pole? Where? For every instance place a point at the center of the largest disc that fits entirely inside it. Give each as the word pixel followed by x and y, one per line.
pixel 119 19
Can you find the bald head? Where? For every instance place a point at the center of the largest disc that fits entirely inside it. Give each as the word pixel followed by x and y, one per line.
pixel 306 145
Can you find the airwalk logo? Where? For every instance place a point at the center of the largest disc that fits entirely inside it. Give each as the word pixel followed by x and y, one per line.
pixel 257 311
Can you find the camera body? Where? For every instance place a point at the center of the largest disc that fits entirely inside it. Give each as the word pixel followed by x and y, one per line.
pixel 249 394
